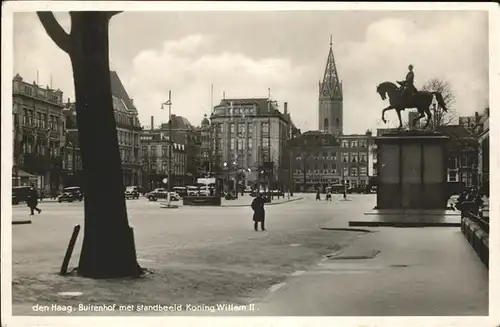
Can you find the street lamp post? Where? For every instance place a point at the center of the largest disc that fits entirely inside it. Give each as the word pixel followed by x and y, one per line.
pixel 170 143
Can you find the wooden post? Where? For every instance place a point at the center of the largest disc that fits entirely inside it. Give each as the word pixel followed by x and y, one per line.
pixel 69 251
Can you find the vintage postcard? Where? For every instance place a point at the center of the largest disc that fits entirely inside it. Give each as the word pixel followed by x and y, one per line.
pixel 325 162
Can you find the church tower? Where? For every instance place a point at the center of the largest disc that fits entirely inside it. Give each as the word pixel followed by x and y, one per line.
pixel 330 98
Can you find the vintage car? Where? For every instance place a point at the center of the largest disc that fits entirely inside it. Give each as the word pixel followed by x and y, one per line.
pixel 20 194
pixel 161 193
pixel 131 192
pixel 70 194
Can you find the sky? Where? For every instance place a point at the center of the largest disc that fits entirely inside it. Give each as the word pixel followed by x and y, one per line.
pixel 245 53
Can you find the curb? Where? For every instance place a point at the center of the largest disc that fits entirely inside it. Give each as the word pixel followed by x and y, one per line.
pixel 401 224
pixel 267 204
pixel 21 222
pixel 359 230
pixel 477 238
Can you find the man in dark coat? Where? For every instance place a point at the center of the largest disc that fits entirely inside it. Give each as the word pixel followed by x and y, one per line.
pixel 33 201
pixel 259 214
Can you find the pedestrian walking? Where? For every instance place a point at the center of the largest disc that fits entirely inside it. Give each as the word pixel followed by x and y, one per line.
pixel 318 196
pixel 33 201
pixel 259 214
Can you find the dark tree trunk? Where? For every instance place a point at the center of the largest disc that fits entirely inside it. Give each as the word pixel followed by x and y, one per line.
pixel 108 249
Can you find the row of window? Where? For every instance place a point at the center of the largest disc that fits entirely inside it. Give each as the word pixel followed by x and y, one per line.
pixel 147 151
pixel 463 161
pixel 53 150
pixel 454 176
pixel 333 181
pixel 178 167
pixel 40 120
pixel 354 157
pixel 240 110
pixel 128 155
pixel 69 162
pixel 352 173
pixel 355 143
pixel 128 138
pixel 241 128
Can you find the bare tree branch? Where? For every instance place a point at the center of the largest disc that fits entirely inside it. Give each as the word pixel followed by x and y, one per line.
pixel 442 118
pixel 54 30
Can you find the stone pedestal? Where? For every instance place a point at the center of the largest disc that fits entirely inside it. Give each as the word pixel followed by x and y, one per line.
pixel 411 170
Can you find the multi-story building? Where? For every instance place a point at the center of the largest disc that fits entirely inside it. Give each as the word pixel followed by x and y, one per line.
pixel 128 129
pixel 183 132
pixel 355 152
pixel 156 159
pixel 462 150
pixel 249 134
pixel 330 107
pixel 482 133
pixel 315 161
pixel 320 159
pixel 38 135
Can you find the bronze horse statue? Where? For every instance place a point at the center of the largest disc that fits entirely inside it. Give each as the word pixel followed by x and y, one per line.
pixel 421 100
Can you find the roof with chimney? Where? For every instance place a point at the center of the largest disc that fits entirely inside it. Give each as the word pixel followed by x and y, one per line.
pixel 331 86
pixel 179 123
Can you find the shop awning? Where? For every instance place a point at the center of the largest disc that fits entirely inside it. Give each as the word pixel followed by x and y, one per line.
pixel 22 173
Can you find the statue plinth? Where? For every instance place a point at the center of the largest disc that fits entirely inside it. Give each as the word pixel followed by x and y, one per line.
pixel 412 170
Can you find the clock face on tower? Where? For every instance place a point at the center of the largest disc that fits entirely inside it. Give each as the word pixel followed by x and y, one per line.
pixel 325 92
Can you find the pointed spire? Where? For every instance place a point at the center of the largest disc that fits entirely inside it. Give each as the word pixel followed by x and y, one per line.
pixel 330 87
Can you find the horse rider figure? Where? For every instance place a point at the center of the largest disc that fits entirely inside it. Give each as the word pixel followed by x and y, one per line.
pixel 407 85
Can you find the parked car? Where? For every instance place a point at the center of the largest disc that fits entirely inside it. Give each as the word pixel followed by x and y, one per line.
pixel 277 193
pixel 161 193
pixel 337 188
pixel 204 191
pixel 192 190
pixel 157 193
pixel 70 194
pixel 20 194
pixel 174 196
pixel 357 189
pixel 180 190
pixel 131 192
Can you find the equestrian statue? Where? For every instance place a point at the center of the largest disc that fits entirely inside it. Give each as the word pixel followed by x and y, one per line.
pixel 407 97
